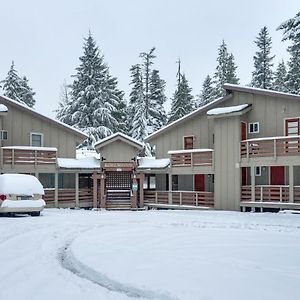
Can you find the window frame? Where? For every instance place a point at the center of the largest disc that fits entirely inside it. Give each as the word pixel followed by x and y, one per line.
pixel 2 131
pixel 257 168
pixel 37 133
pixel 253 126
pixel 188 136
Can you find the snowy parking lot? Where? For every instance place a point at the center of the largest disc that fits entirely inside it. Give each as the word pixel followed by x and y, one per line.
pixel 78 254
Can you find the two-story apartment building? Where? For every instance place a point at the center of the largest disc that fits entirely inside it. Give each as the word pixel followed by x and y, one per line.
pixel 239 151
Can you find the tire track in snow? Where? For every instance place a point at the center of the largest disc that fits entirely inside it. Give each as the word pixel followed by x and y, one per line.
pixel 69 262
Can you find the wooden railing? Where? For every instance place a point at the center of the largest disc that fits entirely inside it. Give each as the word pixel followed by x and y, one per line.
pixel 179 198
pixel 28 156
pixel 271 147
pixel 193 157
pixel 66 197
pixel 266 193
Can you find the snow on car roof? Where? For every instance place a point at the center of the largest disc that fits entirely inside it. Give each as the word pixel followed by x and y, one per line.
pixel 20 184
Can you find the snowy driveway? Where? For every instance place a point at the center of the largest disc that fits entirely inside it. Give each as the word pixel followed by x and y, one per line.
pixel 67 254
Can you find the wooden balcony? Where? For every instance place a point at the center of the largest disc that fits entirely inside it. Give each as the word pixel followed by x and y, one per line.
pixel 34 156
pixel 191 158
pixel 271 147
pixel 179 199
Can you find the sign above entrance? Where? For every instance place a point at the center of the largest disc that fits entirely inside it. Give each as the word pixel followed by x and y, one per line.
pixel 117 165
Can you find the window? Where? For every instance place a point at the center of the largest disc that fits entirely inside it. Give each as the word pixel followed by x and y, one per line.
pixel 257 171
pixel 149 182
pixel 36 139
pixel 3 135
pixel 253 127
pixel 188 142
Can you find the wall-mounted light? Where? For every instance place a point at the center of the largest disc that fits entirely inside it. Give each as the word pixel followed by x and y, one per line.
pixel 103 158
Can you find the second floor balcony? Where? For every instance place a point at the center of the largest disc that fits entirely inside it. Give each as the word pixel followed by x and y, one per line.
pixel 270 147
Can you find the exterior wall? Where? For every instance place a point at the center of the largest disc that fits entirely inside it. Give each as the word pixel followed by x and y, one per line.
pixel 227 157
pixel 118 151
pixel 161 182
pixel 185 182
pixel 19 124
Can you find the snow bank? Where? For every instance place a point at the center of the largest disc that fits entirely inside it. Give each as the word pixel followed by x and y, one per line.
pixel 30 148
pixel 81 163
pixel 153 163
pixel 227 110
pixel 189 151
pixel 3 108
pixel 23 204
pixel 20 184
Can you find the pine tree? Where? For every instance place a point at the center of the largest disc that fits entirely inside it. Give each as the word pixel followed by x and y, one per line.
pixel 157 99
pixel 207 93
pixel 262 76
pixel 63 105
pixel 225 70
pixel 17 88
pixel 94 96
pixel 291 31
pixel 182 102
pixel 280 78
pixel 147 62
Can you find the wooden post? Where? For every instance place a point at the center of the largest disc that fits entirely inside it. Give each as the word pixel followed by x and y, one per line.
pixel 12 158
pixel 95 189
pixel 261 194
pixel 170 200
pixel 56 190
pixel 252 184
pixel 142 176
pixel 102 192
pixel 180 198
pixel 275 149
pixel 35 158
pixel 291 184
pixel 197 195
pixel 77 190
pixel 134 194
pixel 247 150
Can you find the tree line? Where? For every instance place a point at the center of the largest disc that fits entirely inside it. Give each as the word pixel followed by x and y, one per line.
pixel 94 103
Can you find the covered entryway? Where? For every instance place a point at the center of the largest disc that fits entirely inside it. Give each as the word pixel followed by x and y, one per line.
pixel 118 190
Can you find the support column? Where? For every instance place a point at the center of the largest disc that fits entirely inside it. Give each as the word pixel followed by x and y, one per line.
pixel 291 184
pixel 95 189
pixel 56 190
pixel 77 190
pixel 142 177
pixel 252 183
pixel 134 193
pixel 102 192
pixel 170 200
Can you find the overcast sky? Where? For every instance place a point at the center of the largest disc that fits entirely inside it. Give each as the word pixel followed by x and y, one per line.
pixel 45 38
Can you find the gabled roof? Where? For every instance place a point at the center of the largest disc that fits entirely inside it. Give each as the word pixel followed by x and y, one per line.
pixel 119 136
pixel 33 112
pixel 191 115
pixel 234 87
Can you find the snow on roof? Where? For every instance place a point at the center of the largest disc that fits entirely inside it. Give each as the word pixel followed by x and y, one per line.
pixel 227 110
pixel 3 108
pixel 30 148
pixel 119 134
pixel 249 89
pixel 23 106
pixel 20 184
pixel 78 163
pixel 189 151
pixel 153 163
pixel 269 138
pixel 191 114
pixel 83 153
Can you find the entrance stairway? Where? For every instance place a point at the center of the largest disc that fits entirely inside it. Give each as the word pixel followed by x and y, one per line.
pixel 118 199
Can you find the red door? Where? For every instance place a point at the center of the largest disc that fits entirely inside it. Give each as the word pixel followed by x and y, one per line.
pixel 243 131
pixel 277 175
pixel 244 176
pixel 199 184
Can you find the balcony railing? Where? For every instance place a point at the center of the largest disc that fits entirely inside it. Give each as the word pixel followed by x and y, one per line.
pixel 20 155
pixel 271 147
pixel 187 198
pixel 266 193
pixel 191 158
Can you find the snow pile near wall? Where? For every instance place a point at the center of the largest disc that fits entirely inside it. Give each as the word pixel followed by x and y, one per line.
pixel 3 108
pixel 227 110
pixel 20 184
pixel 153 163
pixel 81 163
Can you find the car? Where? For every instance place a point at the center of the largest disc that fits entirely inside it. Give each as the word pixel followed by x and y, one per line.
pixel 20 193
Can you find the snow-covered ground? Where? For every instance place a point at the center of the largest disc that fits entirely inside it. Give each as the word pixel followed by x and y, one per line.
pixel 77 254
